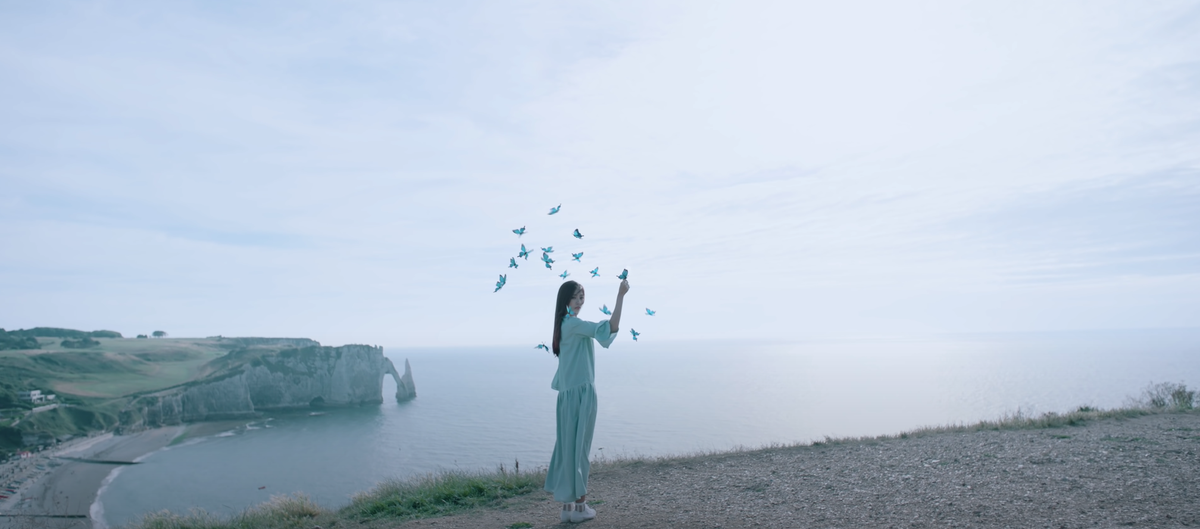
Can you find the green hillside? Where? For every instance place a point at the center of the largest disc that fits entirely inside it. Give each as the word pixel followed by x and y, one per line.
pixel 115 367
pixel 94 374
pixel 28 338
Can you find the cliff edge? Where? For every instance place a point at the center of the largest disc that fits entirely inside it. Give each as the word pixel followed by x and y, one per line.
pixel 251 380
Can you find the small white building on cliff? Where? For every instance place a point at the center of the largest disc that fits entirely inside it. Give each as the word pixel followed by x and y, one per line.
pixel 35 396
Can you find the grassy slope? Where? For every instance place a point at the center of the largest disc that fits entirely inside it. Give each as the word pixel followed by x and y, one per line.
pixel 93 384
pixel 116 368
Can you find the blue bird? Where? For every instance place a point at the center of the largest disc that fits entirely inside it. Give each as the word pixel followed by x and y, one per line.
pixel 576 256
pixel 564 274
pixel 542 346
pixel 596 272
pixel 577 234
pixel 500 283
pixel 520 231
pixel 512 262
pixel 624 274
pixel 604 309
pixel 650 312
pixel 635 334
pixel 524 253
pixel 554 210
pixel 548 249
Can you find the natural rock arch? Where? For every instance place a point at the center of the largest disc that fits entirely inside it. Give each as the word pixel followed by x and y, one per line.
pixel 405 388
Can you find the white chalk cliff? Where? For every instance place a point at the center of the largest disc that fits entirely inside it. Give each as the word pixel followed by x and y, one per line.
pixel 406 389
pixel 247 382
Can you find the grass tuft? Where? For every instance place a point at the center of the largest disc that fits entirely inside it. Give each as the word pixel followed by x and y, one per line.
pixel 295 507
pixel 281 512
pixel 442 494
pixel 1169 395
pixel 427 496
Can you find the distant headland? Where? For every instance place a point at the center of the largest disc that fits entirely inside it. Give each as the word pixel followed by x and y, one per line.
pixel 101 381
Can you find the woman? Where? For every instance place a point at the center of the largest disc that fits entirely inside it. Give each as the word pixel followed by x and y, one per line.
pixel 569 466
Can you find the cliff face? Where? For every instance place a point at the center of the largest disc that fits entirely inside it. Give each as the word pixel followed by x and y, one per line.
pixel 288 379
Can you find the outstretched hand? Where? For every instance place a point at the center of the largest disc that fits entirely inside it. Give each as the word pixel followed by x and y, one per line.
pixel 614 323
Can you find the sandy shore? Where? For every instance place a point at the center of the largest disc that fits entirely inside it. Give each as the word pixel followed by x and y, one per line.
pixel 69 489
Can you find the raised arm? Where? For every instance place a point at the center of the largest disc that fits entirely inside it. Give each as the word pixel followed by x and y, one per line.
pixel 614 323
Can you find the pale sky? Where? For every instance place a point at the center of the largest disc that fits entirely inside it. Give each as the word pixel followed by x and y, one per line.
pixel 351 171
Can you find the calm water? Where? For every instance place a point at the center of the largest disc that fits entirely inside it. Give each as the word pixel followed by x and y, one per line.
pixel 482 407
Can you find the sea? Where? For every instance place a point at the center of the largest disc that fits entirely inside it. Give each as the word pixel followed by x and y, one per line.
pixel 480 408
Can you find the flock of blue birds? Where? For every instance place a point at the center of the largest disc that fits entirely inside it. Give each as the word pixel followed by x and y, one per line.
pixel 549 261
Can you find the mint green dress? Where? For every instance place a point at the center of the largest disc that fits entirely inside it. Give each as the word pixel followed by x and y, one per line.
pixel 575 382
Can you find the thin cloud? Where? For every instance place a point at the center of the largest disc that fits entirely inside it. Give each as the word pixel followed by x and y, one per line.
pixel 874 166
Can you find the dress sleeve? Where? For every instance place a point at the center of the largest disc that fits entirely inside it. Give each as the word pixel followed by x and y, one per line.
pixel 599 330
pixel 601 333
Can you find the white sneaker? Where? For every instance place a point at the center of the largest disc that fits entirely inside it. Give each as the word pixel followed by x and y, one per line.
pixel 582 513
pixel 566 512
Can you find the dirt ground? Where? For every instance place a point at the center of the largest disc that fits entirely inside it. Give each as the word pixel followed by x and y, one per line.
pixel 1140 472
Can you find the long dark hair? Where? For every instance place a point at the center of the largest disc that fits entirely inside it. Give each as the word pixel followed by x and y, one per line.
pixel 565 293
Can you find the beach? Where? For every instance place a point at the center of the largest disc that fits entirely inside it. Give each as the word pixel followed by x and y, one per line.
pixel 63 495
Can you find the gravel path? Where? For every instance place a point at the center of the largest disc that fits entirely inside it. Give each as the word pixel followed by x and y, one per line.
pixel 1140 472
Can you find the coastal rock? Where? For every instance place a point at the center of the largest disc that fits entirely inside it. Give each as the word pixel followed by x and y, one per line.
pixel 248 382
pixel 405 388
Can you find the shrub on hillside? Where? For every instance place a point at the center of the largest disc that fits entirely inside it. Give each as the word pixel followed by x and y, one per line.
pixel 56 332
pixel 82 343
pixel 10 437
pixel 1169 395
pixel 12 340
pixel 8 398
pixel 51 332
pixel 85 420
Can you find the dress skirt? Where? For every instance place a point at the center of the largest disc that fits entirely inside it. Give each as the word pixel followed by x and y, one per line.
pixel 567 476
